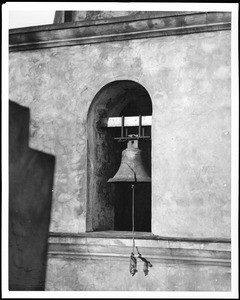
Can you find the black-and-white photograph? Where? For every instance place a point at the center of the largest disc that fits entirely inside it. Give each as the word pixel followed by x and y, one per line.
pixel 121 150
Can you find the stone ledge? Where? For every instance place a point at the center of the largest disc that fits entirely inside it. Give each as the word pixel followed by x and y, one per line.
pixel 167 251
pixel 139 235
pixel 80 33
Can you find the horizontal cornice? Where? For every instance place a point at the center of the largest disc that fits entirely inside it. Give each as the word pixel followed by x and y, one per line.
pixel 163 251
pixel 138 235
pixel 116 29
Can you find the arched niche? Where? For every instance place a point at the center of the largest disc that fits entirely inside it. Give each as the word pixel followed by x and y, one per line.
pixel 109 205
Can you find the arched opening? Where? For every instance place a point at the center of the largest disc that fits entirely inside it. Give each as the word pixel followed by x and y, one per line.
pixel 109 205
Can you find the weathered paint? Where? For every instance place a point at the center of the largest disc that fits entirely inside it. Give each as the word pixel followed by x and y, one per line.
pixel 188 79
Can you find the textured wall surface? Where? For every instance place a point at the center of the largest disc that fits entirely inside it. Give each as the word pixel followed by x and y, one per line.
pixel 103 264
pixel 113 275
pixel 188 79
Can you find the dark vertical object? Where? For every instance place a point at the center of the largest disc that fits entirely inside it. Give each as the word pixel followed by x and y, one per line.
pixel 30 195
pixel 68 16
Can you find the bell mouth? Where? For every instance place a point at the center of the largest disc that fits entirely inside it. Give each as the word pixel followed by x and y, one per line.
pixel 132 180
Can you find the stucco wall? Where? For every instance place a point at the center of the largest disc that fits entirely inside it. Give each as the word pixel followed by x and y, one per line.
pixel 188 79
pixel 113 275
pixel 97 263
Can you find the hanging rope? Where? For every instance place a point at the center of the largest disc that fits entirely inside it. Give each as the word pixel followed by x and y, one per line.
pixel 146 262
pixel 133 217
pixel 133 260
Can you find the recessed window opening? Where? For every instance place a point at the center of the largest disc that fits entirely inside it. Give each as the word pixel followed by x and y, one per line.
pixel 68 16
pixel 109 206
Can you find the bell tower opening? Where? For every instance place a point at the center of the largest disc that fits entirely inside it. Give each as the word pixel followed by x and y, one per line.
pixel 109 205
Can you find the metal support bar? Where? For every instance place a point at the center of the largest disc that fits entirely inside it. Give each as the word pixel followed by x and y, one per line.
pixel 122 127
pixel 132 121
pixel 129 138
pixel 140 126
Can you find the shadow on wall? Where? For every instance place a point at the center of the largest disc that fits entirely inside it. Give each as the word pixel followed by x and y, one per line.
pixel 31 175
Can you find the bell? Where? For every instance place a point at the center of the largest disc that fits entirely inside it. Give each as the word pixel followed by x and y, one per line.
pixel 132 168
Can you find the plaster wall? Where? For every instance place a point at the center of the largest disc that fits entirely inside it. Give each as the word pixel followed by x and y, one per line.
pixel 113 275
pixel 188 79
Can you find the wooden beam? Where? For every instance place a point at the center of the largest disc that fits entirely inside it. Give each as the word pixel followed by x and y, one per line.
pixel 128 121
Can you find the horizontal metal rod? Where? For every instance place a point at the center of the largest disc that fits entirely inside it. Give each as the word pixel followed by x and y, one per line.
pixel 127 138
pixel 128 121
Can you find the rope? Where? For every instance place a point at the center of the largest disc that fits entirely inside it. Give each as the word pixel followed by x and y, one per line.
pixel 133 217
